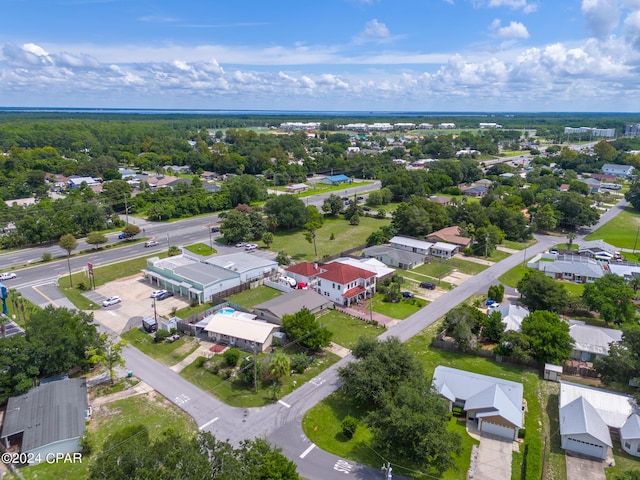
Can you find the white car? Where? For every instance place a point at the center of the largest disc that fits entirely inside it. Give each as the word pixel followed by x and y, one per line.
pixel 240 244
pixel 250 246
pixel 111 301
pixel 157 293
pixel 7 276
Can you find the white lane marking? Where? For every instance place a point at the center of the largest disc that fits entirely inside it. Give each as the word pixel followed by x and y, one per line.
pixel 283 403
pixel 343 466
pixel 207 424
pixel 306 452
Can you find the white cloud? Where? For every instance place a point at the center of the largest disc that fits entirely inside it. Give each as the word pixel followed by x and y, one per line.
pixel 602 16
pixel 513 30
pixel 523 5
pixel 374 31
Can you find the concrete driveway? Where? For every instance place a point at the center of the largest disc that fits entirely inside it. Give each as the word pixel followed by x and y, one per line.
pixel 494 458
pixel 136 302
pixel 582 468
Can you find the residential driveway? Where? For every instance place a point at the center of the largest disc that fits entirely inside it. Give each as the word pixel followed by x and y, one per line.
pixel 582 468
pixel 494 458
pixel 136 302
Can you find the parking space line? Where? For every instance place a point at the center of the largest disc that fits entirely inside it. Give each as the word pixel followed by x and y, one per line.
pixel 306 452
pixel 207 424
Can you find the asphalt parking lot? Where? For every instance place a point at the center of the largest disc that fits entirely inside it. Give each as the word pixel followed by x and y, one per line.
pixel 136 302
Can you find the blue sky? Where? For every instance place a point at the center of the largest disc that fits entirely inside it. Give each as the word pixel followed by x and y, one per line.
pixel 369 55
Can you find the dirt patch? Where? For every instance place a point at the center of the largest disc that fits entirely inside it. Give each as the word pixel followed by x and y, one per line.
pixel 457 278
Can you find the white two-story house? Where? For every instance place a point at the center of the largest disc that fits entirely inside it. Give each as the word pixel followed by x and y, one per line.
pixel 345 284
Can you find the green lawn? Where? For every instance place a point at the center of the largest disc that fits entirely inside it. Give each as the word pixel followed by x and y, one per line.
pixel 167 353
pixel 513 276
pixel 620 231
pixel 345 237
pixel 322 422
pixel 201 249
pixel 443 268
pixel 518 245
pixel 154 412
pixel 319 188
pixel 102 275
pixel 240 394
pixel 346 330
pixel 254 296
pixel 401 310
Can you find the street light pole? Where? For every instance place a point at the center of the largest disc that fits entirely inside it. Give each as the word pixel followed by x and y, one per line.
pixel 636 242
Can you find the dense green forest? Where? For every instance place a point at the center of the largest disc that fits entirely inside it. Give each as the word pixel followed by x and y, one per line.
pixel 37 148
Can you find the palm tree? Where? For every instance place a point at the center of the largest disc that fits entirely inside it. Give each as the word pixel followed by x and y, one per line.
pixel 68 243
pixel 279 365
pixel 571 237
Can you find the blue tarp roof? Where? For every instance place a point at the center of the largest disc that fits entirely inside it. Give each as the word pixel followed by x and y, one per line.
pixel 338 178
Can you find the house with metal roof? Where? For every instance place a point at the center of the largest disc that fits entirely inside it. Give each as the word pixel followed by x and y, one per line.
pixel 291 303
pixel 410 244
pixel 395 257
pixel 48 419
pixel 591 342
pixel 574 268
pixel 239 329
pixel 335 179
pixel 617 170
pixel 512 316
pixel 581 425
pixel 444 250
pixel 371 264
pixel 597 248
pixel 494 404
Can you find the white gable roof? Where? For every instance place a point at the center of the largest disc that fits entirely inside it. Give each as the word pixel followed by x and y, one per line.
pixel 512 316
pixel 631 428
pixel 410 242
pixel 496 395
pixel 579 417
pixel 592 339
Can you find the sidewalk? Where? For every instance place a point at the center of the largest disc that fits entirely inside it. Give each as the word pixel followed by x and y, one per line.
pixel 139 389
pixel 203 350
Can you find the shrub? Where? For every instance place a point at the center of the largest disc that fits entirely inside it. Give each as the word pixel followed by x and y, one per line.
pixel 46 257
pixel 231 357
pixel 82 286
pixel 200 361
pixel 161 336
pixel 349 426
pixel 521 433
pixel 300 362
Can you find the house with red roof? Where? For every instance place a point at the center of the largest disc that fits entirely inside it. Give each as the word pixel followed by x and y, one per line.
pixel 341 283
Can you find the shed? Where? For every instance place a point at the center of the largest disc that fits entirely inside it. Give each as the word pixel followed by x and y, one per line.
pixel 168 325
pixel 552 372
pixel 149 324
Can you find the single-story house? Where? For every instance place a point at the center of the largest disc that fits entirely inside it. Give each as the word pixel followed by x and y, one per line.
pixel 441 200
pixel 48 419
pixel 617 170
pixel 411 245
pixel 581 428
pixel 573 268
pixel 297 188
pixel 449 235
pixel 395 257
pixel 625 270
pixel 494 404
pixel 290 303
pixel 190 278
pixel 335 179
pixel 249 267
pixel 239 329
pixel 483 182
pixel 591 342
pixel 444 250
pixel 475 191
pixel 512 316
pixel 592 183
pixel 75 181
pixel 597 248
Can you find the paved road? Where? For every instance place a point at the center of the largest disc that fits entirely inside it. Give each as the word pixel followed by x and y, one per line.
pixel 281 421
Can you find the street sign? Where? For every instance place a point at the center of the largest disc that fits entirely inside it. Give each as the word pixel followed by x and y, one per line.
pixel 90 268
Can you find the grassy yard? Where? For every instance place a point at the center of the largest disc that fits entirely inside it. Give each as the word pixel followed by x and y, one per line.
pixel 442 269
pixel 240 394
pixel 255 296
pixel 518 245
pixel 317 188
pixel 201 249
pixel 167 353
pixel 513 276
pixel 620 231
pixel 102 275
pixel 345 236
pixel 152 411
pixel 401 310
pixel 346 330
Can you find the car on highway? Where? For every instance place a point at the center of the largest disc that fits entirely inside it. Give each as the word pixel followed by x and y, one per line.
pixel 151 243
pixel 406 294
pixel 7 276
pixel 164 295
pixel 157 293
pixel 428 285
pixel 111 301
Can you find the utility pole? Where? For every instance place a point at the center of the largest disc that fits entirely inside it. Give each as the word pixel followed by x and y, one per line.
pixel 126 209
pixel 255 368
pixel 636 242
pixel 155 312
pixel 486 246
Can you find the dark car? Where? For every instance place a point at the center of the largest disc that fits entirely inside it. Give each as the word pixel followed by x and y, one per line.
pixel 122 236
pixel 428 285
pixel 366 209
pixel 406 294
pixel 164 295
